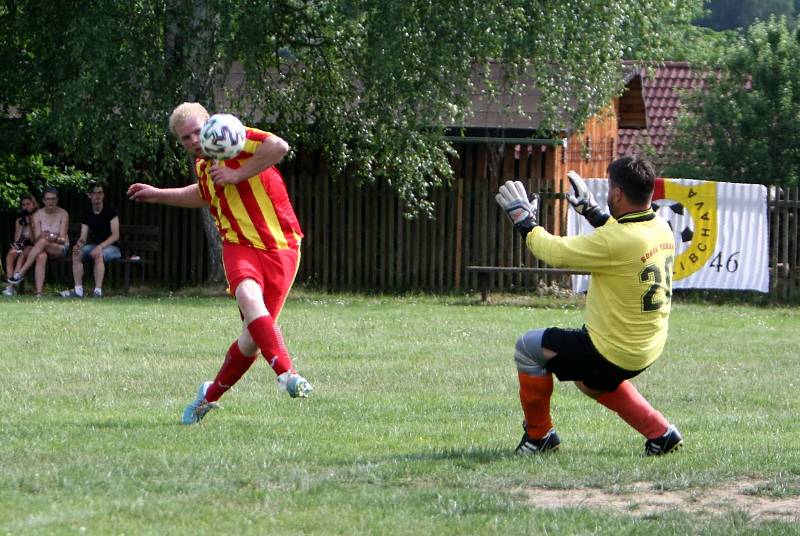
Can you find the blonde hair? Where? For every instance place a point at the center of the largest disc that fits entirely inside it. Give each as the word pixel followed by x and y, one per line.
pixel 183 112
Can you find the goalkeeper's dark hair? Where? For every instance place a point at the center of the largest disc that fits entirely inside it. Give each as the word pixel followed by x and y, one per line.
pixel 635 176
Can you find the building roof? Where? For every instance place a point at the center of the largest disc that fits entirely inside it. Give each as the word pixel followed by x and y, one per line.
pixel 661 89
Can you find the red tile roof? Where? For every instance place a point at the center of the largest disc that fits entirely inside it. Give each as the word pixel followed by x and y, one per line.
pixel 662 87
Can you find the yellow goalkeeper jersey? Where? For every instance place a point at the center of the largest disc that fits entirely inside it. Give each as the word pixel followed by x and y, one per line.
pixel 628 302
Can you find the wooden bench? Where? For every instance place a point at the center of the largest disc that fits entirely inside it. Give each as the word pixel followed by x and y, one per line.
pixel 484 271
pixel 139 244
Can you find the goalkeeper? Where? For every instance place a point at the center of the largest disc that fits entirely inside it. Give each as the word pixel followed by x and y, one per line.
pixel 260 247
pixel 630 256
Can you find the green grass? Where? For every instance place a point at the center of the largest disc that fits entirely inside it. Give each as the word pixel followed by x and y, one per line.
pixel 409 431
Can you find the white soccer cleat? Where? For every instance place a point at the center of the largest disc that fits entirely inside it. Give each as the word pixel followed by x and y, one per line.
pixel 9 291
pixel 195 411
pixel 294 384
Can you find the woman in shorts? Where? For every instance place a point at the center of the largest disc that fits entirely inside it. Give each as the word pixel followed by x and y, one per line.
pixel 23 238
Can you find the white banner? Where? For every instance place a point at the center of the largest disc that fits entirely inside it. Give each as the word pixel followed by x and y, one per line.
pixel 720 232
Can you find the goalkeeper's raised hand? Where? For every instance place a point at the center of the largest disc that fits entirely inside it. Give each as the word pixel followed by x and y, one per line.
pixel 583 201
pixel 522 212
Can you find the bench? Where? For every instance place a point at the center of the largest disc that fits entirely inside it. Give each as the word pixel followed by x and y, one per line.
pixel 139 244
pixel 484 271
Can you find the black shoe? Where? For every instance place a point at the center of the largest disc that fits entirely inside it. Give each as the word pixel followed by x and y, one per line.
pixel 532 446
pixel 669 442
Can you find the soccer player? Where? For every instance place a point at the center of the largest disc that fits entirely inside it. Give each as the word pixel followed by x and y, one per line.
pixel 630 256
pixel 260 250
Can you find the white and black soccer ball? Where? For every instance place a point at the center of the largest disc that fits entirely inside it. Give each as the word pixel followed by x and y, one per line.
pixel 679 219
pixel 222 137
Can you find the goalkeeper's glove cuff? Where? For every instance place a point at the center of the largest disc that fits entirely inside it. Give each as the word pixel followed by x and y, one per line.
pixel 525 226
pixel 595 216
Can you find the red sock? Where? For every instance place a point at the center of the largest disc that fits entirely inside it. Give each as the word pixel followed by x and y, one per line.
pixel 233 368
pixel 635 410
pixel 534 395
pixel 268 337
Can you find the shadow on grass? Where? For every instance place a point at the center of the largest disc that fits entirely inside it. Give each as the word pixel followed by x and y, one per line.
pixel 475 455
pixel 126 424
pixel 481 455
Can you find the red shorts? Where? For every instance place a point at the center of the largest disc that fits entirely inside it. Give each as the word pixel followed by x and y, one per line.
pixel 273 270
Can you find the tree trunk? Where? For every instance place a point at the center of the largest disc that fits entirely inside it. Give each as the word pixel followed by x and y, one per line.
pixel 184 45
pixel 216 273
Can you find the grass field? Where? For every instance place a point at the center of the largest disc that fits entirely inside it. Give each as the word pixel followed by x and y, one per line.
pixel 410 429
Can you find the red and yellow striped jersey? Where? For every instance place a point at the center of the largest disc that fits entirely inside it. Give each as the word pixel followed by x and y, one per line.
pixel 256 212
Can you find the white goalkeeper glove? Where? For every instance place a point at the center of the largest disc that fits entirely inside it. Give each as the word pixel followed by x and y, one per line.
pixel 583 201
pixel 514 200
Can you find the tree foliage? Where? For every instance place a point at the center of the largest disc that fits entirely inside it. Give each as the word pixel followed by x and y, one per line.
pixel 745 127
pixel 702 47
pixel 740 14
pixel 370 83
pixel 31 174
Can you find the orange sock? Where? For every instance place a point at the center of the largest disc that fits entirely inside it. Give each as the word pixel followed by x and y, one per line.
pixel 534 395
pixel 629 404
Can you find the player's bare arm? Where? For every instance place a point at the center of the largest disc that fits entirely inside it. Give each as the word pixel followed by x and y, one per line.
pixel 187 196
pixel 269 153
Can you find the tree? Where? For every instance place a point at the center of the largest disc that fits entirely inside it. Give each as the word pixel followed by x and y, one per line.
pixel 31 174
pixel 702 47
pixel 370 83
pixel 744 128
pixel 733 14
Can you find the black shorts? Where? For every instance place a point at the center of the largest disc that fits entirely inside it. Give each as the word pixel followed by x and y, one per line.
pixel 578 360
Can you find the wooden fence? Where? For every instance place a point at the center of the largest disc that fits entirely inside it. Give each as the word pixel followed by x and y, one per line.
pixel 784 258
pixel 359 239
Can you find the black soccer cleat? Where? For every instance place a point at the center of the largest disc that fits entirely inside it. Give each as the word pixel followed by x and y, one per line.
pixel 671 441
pixel 532 446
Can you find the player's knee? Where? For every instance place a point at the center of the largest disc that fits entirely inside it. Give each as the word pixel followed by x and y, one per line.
pixel 588 391
pixel 250 299
pixel 247 289
pixel 529 354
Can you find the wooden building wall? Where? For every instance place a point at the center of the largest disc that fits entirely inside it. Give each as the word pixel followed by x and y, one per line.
pixel 591 151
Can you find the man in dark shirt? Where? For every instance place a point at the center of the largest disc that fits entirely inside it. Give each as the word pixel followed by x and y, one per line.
pixel 102 222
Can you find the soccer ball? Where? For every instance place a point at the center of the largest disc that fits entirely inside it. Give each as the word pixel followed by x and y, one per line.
pixel 222 137
pixel 679 220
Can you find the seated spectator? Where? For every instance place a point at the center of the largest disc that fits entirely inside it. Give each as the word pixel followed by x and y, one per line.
pixel 50 240
pixel 101 222
pixel 23 239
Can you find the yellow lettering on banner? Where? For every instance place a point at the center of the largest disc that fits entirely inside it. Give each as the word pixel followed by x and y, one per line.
pixel 701 200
